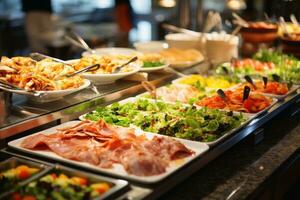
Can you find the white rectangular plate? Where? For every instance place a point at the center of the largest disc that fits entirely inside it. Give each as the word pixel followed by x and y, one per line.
pixel 117 170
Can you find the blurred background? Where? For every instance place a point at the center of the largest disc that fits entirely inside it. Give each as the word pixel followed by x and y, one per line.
pixel 40 25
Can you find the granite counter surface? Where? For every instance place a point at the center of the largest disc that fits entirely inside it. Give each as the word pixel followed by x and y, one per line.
pixel 240 171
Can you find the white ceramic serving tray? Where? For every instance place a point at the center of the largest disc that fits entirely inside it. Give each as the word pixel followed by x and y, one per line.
pixel 47 96
pixel 117 170
pixel 186 64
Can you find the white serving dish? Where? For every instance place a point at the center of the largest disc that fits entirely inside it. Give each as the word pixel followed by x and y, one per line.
pixel 117 170
pixel 150 46
pixel 47 96
pixel 186 64
pixel 112 51
pixel 105 79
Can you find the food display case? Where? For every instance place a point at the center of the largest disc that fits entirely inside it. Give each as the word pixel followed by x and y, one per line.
pixel 144 122
pixel 87 100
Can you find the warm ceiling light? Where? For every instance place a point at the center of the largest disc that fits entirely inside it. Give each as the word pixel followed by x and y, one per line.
pixel 167 3
pixel 236 4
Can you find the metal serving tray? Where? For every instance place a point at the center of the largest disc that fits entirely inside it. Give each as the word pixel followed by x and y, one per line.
pixel 13 162
pixel 118 188
pixel 248 117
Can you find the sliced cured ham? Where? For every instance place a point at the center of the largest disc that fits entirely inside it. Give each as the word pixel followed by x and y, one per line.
pixel 103 145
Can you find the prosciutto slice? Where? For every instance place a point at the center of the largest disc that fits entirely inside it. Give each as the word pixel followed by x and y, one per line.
pixel 103 145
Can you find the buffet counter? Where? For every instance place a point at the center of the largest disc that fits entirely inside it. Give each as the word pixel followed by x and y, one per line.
pixel 267 170
pixel 23 115
pixel 250 156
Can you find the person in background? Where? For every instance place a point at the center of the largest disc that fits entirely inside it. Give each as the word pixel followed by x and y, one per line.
pixel 38 23
pixel 124 18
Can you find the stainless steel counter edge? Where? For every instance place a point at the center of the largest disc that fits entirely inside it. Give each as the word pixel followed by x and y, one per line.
pixel 74 111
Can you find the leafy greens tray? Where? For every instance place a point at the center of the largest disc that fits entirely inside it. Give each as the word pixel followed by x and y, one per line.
pixel 171 119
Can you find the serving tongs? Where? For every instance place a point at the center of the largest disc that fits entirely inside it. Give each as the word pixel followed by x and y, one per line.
pixel 240 21
pixel 213 19
pixel 223 96
pixel 294 20
pixel 284 27
pixel 78 41
pixel 181 30
pixel 265 80
pixel 90 68
pixel 38 57
pixel 276 78
pixel 120 67
pixel 150 88
pixel 246 93
pixel 249 80
pixel 10 86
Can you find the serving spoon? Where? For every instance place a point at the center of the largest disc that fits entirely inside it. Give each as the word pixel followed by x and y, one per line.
pixel 119 68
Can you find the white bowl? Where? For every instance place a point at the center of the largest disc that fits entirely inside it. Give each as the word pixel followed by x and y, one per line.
pixel 104 79
pixel 112 51
pixel 47 96
pixel 150 46
pixel 184 41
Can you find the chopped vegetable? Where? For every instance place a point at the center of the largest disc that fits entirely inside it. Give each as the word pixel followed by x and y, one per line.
pixel 213 82
pixel 11 177
pixel 234 101
pixel 59 186
pixel 275 88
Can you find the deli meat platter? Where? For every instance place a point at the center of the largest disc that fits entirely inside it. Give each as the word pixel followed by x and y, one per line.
pixel 186 152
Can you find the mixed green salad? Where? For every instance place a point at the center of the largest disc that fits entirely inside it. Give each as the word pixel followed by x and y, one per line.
pixel 264 63
pixel 176 120
pixel 286 66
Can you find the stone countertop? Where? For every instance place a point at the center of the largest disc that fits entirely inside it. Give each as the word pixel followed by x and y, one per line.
pixel 241 170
